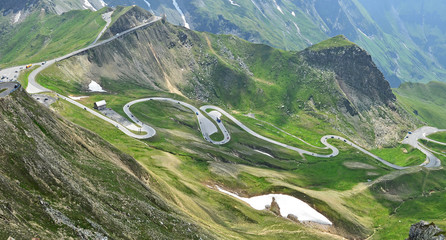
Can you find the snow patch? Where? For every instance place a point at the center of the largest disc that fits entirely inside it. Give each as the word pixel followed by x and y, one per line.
pixel 264 153
pixel 255 4
pixel 77 98
pixel 277 6
pixel 365 35
pixel 300 34
pixel 293 13
pixel 87 5
pixel 287 204
pixel 148 4
pixel 408 48
pixel 103 4
pixel 17 16
pixel 297 28
pixel 95 87
pixel 181 13
pixel 233 3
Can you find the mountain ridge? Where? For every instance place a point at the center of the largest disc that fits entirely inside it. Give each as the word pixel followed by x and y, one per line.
pixel 173 62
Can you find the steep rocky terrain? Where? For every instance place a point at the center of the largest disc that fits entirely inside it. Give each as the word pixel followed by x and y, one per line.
pixel 128 18
pixel 339 85
pixel 60 181
pixel 404 37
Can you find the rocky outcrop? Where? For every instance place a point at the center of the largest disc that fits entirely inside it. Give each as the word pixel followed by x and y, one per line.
pixel 426 231
pixel 356 73
pixel 274 207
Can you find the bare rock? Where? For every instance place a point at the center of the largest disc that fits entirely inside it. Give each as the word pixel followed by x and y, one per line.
pixel 293 217
pixel 425 231
pixel 274 207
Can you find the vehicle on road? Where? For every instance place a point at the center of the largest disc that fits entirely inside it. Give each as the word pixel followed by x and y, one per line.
pixel 410 132
pixel 28 66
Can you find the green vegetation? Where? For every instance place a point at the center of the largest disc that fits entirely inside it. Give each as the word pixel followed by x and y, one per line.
pixel 397 203
pixel 179 172
pixel 93 173
pixel 439 136
pixel 282 90
pixel 425 101
pixel 439 148
pixel 119 11
pixel 267 130
pixel 24 75
pixel 334 42
pixel 2 90
pixel 403 155
pixel 43 36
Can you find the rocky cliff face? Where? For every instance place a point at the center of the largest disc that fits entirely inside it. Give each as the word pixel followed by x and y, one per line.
pixel 369 98
pixel 60 181
pixel 426 231
pixel 357 75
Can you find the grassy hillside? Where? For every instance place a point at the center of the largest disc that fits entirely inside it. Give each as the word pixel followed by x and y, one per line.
pixel 291 90
pixel 59 181
pixel 43 36
pixel 425 101
pixel 397 203
pixel 185 165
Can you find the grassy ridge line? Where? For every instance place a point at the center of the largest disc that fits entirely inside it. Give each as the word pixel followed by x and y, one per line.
pixel 45 36
pixel 425 101
pixel 334 42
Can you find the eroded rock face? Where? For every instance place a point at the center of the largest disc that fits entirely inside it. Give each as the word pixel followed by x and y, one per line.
pixel 274 207
pixel 357 75
pixel 426 231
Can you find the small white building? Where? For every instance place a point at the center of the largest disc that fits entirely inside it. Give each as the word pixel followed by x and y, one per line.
pixel 101 105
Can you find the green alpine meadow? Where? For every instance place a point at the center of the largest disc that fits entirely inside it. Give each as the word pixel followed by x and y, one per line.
pixel 222 119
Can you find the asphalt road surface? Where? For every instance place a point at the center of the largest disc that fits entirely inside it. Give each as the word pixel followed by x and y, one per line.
pixel 34 87
pixel 412 139
pixel 206 126
pixel 107 19
pixel 7 87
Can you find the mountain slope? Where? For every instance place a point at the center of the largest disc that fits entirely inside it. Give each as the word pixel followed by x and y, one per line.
pixel 425 101
pixel 43 35
pixel 395 42
pixel 55 6
pixel 58 180
pixel 281 86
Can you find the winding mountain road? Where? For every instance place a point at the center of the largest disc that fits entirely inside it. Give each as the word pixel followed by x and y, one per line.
pixel 34 87
pixel 412 139
pixel 207 127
